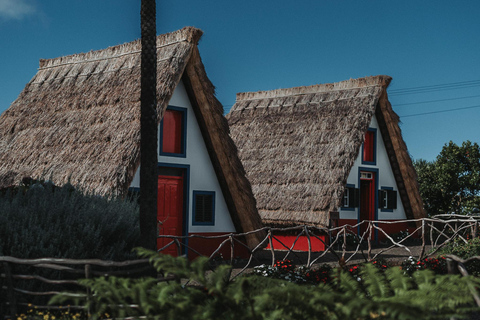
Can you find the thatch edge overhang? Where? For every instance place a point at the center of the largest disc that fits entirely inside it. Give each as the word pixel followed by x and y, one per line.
pixel 223 153
pixel 187 34
pixel 400 160
pixel 372 81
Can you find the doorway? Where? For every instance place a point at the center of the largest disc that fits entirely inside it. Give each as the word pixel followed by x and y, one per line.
pixel 170 208
pixel 367 199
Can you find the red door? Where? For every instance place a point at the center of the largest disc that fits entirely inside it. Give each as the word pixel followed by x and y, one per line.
pixel 170 211
pixel 367 199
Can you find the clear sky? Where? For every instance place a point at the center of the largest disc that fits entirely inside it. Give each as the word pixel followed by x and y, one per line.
pixel 430 48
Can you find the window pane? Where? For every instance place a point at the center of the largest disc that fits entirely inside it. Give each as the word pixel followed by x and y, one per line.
pixel 368 147
pixel 172 132
pixel 203 208
pixel 346 197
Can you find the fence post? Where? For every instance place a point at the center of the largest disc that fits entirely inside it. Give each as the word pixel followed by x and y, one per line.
pixel 369 240
pixel 88 275
pixel 271 246
pixel 179 247
pixel 423 240
pixel 232 247
pixel 309 244
pixel 10 292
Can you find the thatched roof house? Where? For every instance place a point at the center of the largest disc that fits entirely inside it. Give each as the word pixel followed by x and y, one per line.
pixel 78 120
pixel 299 146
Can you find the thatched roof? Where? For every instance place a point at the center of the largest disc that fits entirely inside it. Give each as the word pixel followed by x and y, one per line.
pixel 298 146
pixel 78 120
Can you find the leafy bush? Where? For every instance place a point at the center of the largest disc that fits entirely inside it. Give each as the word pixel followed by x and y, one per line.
pixel 437 265
pixel 40 220
pixel 286 270
pixel 352 240
pixel 399 236
pixel 465 250
pixel 388 294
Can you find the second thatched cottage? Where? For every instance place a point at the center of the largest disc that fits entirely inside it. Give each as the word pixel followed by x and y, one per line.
pixel 78 121
pixel 323 150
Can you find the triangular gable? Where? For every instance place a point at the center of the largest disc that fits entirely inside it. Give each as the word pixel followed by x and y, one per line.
pixel 400 160
pixel 222 150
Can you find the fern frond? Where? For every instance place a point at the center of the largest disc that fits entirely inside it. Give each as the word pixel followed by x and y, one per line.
pixel 398 280
pixel 375 282
pixel 349 286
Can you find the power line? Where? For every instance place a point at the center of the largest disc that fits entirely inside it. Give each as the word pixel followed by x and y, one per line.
pixel 439 100
pixel 439 111
pixel 437 87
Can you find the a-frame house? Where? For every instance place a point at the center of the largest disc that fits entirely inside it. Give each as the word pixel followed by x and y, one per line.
pixel 78 121
pixel 315 152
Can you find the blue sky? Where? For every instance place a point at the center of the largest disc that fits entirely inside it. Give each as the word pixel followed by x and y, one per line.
pixel 430 46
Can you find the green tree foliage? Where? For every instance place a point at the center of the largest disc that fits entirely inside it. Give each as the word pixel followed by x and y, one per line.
pixel 451 183
pixel 374 294
pixel 42 220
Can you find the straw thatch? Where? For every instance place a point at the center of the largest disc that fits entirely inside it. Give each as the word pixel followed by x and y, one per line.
pixel 298 146
pixel 78 120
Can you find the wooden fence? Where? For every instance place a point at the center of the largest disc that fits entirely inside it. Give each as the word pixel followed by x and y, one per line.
pixel 25 286
pixel 30 283
pixel 431 234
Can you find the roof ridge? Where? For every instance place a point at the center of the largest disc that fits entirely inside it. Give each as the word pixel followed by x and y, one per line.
pixel 306 93
pixel 372 81
pixel 186 34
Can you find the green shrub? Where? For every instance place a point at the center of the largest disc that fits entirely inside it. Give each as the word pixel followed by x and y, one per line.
pixel 286 270
pixel 387 294
pixel 399 236
pixel 40 220
pixel 437 265
pixel 465 250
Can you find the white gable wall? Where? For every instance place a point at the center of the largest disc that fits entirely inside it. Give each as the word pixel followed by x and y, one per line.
pixel 385 179
pixel 202 173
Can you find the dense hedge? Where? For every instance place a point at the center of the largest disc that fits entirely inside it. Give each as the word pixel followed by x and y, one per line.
pixel 38 219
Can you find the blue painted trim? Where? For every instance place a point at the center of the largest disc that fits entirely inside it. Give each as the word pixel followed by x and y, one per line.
pixel 374 162
pixel 386 210
pixel 348 185
pixel 375 194
pixel 183 154
pixel 186 192
pixel 209 223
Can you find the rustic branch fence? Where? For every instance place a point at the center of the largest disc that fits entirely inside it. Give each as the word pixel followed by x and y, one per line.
pixel 429 235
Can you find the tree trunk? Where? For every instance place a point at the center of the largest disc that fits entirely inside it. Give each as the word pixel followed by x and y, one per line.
pixel 148 127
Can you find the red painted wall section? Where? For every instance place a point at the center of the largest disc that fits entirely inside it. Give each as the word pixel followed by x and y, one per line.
pixel 207 246
pixel 280 242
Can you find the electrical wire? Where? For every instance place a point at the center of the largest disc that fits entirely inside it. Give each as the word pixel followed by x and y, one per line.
pixel 439 100
pixel 437 87
pixel 439 111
